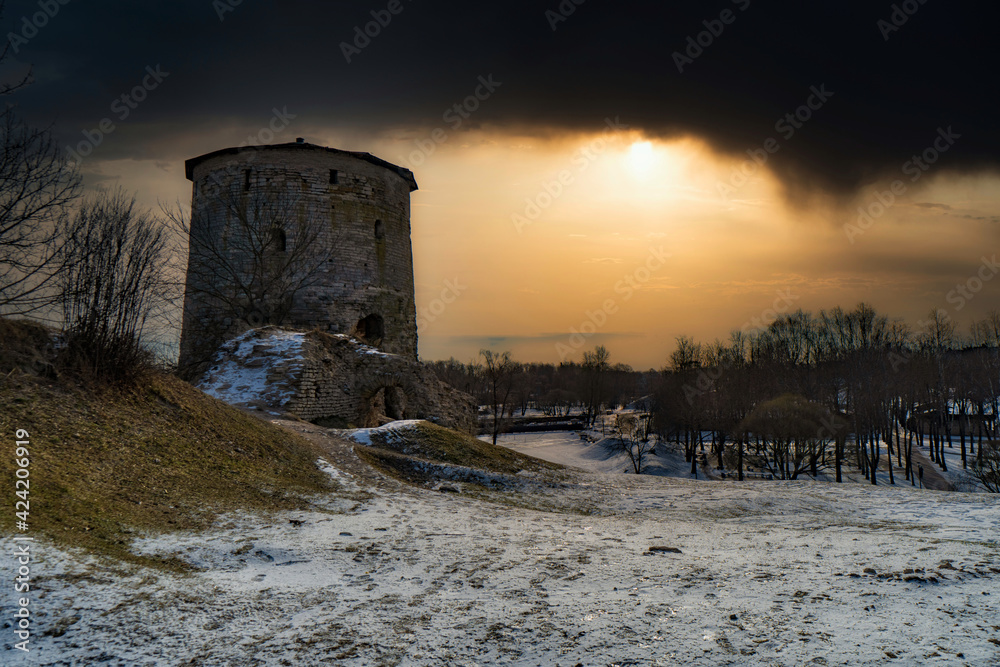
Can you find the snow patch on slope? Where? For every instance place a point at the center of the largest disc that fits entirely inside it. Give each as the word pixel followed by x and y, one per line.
pixel 388 432
pixel 256 368
pixel 345 479
pixel 362 348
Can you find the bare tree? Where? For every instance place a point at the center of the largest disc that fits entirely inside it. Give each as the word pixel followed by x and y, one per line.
pixel 791 435
pixel 596 365
pixel 460 376
pixel 557 402
pixel 111 285
pixel 522 393
pixel 251 251
pixel 632 436
pixel 681 401
pixel 498 374
pixel 987 466
pixel 37 186
pixel 986 332
pixel 17 82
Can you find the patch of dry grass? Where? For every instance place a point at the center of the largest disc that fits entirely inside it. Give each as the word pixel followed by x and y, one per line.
pixel 437 444
pixel 108 463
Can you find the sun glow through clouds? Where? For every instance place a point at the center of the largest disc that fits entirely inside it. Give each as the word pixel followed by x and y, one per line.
pixel 642 157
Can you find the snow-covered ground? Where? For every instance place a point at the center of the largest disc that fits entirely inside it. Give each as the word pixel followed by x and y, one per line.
pixel 567 448
pixel 775 573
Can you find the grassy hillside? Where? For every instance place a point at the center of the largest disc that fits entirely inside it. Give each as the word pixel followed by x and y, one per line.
pixel 108 463
pixel 400 451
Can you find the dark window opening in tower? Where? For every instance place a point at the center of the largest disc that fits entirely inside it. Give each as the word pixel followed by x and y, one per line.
pixel 371 329
pixel 246 178
pixel 279 240
pixel 334 177
pixel 379 230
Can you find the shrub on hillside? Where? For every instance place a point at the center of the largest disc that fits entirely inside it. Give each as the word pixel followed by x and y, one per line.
pixel 111 288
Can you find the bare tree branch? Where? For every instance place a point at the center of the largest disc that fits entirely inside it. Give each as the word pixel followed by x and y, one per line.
pixel 37 187
pixel 251 251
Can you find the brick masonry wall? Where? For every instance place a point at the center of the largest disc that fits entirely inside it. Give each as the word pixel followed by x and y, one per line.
pixel 343 380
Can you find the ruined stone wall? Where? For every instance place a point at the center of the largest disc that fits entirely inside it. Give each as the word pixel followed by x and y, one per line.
pixel 333 380
pixel 342 380
pixel 365 207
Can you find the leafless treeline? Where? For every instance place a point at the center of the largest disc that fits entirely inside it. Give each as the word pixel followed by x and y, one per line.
pixel 556 390
pixel 810 394
pixel 814 393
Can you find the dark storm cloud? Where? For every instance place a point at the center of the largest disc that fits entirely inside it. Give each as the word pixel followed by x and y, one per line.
pixel 893 83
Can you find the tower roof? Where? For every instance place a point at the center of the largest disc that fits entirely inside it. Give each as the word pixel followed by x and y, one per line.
pixel 404 173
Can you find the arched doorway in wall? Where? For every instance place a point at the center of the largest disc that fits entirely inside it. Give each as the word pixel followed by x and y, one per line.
pixel 384 403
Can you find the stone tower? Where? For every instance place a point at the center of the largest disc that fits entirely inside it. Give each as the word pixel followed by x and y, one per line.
pixel 358 208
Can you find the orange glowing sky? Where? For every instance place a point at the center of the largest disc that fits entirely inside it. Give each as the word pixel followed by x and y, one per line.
pixel 521 239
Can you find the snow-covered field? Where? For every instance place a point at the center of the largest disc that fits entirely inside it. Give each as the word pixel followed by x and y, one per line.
pixel 761 573
pixel 567 448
